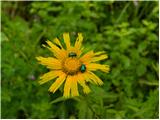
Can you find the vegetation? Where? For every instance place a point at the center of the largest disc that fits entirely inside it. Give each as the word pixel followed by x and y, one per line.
pixel 127 31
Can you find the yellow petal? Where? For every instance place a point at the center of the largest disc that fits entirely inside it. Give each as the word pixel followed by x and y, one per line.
pixel 93 57
pixel 87 57
pixel 95 78
pixel 86 90
pixel 50 62
pixel 57 83
pixel 85 75
pixel 56 40
pixel 101 57
pixel 95 66
pixel 67 86
pixel 66 40
pixel 79 40
pixel 59 53
pixel 74 87
pixel 49 76
pixel 99 53
pixel 81 81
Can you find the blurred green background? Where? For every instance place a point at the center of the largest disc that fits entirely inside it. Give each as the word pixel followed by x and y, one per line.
pixel 127 31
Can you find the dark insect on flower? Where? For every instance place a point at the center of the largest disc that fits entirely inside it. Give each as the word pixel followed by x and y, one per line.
pixel 83 68
pixel 72 54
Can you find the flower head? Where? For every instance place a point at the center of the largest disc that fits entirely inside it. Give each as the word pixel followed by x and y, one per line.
pixel 69 66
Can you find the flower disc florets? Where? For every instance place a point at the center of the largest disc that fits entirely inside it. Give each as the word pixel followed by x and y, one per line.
pixel 71 65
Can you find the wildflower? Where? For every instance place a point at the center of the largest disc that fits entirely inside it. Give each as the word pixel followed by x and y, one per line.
pixel 69 66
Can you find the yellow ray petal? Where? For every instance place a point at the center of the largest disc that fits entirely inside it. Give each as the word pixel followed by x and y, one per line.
pixel 87 57
pixel 79 40
pixel 59 53
pixel 93 57
pixel 66 40
pixel 94 78
pixel 49 76
pixel 81 81
pixel 85 75
pixel 98 58
pixel 56 40
pixel 86 89
pixel 74 87
pixel 50 62
pixel 67 86
pixel 95 66
pixel 57 83
pixel 99 53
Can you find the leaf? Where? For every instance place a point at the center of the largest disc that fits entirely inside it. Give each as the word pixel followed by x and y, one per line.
pixel 82 109
pixel 59 99
pixel 141 69
pixel 142 46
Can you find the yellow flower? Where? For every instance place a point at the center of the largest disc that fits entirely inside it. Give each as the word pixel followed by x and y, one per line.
pixel 69 66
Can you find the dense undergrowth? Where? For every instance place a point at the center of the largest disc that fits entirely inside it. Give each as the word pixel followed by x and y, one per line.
pixel 127 31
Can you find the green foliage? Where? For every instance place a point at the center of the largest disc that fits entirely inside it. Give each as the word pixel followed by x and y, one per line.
pixel 127 31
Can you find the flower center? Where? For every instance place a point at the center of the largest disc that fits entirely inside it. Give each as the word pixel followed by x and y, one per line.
pixel 71 65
